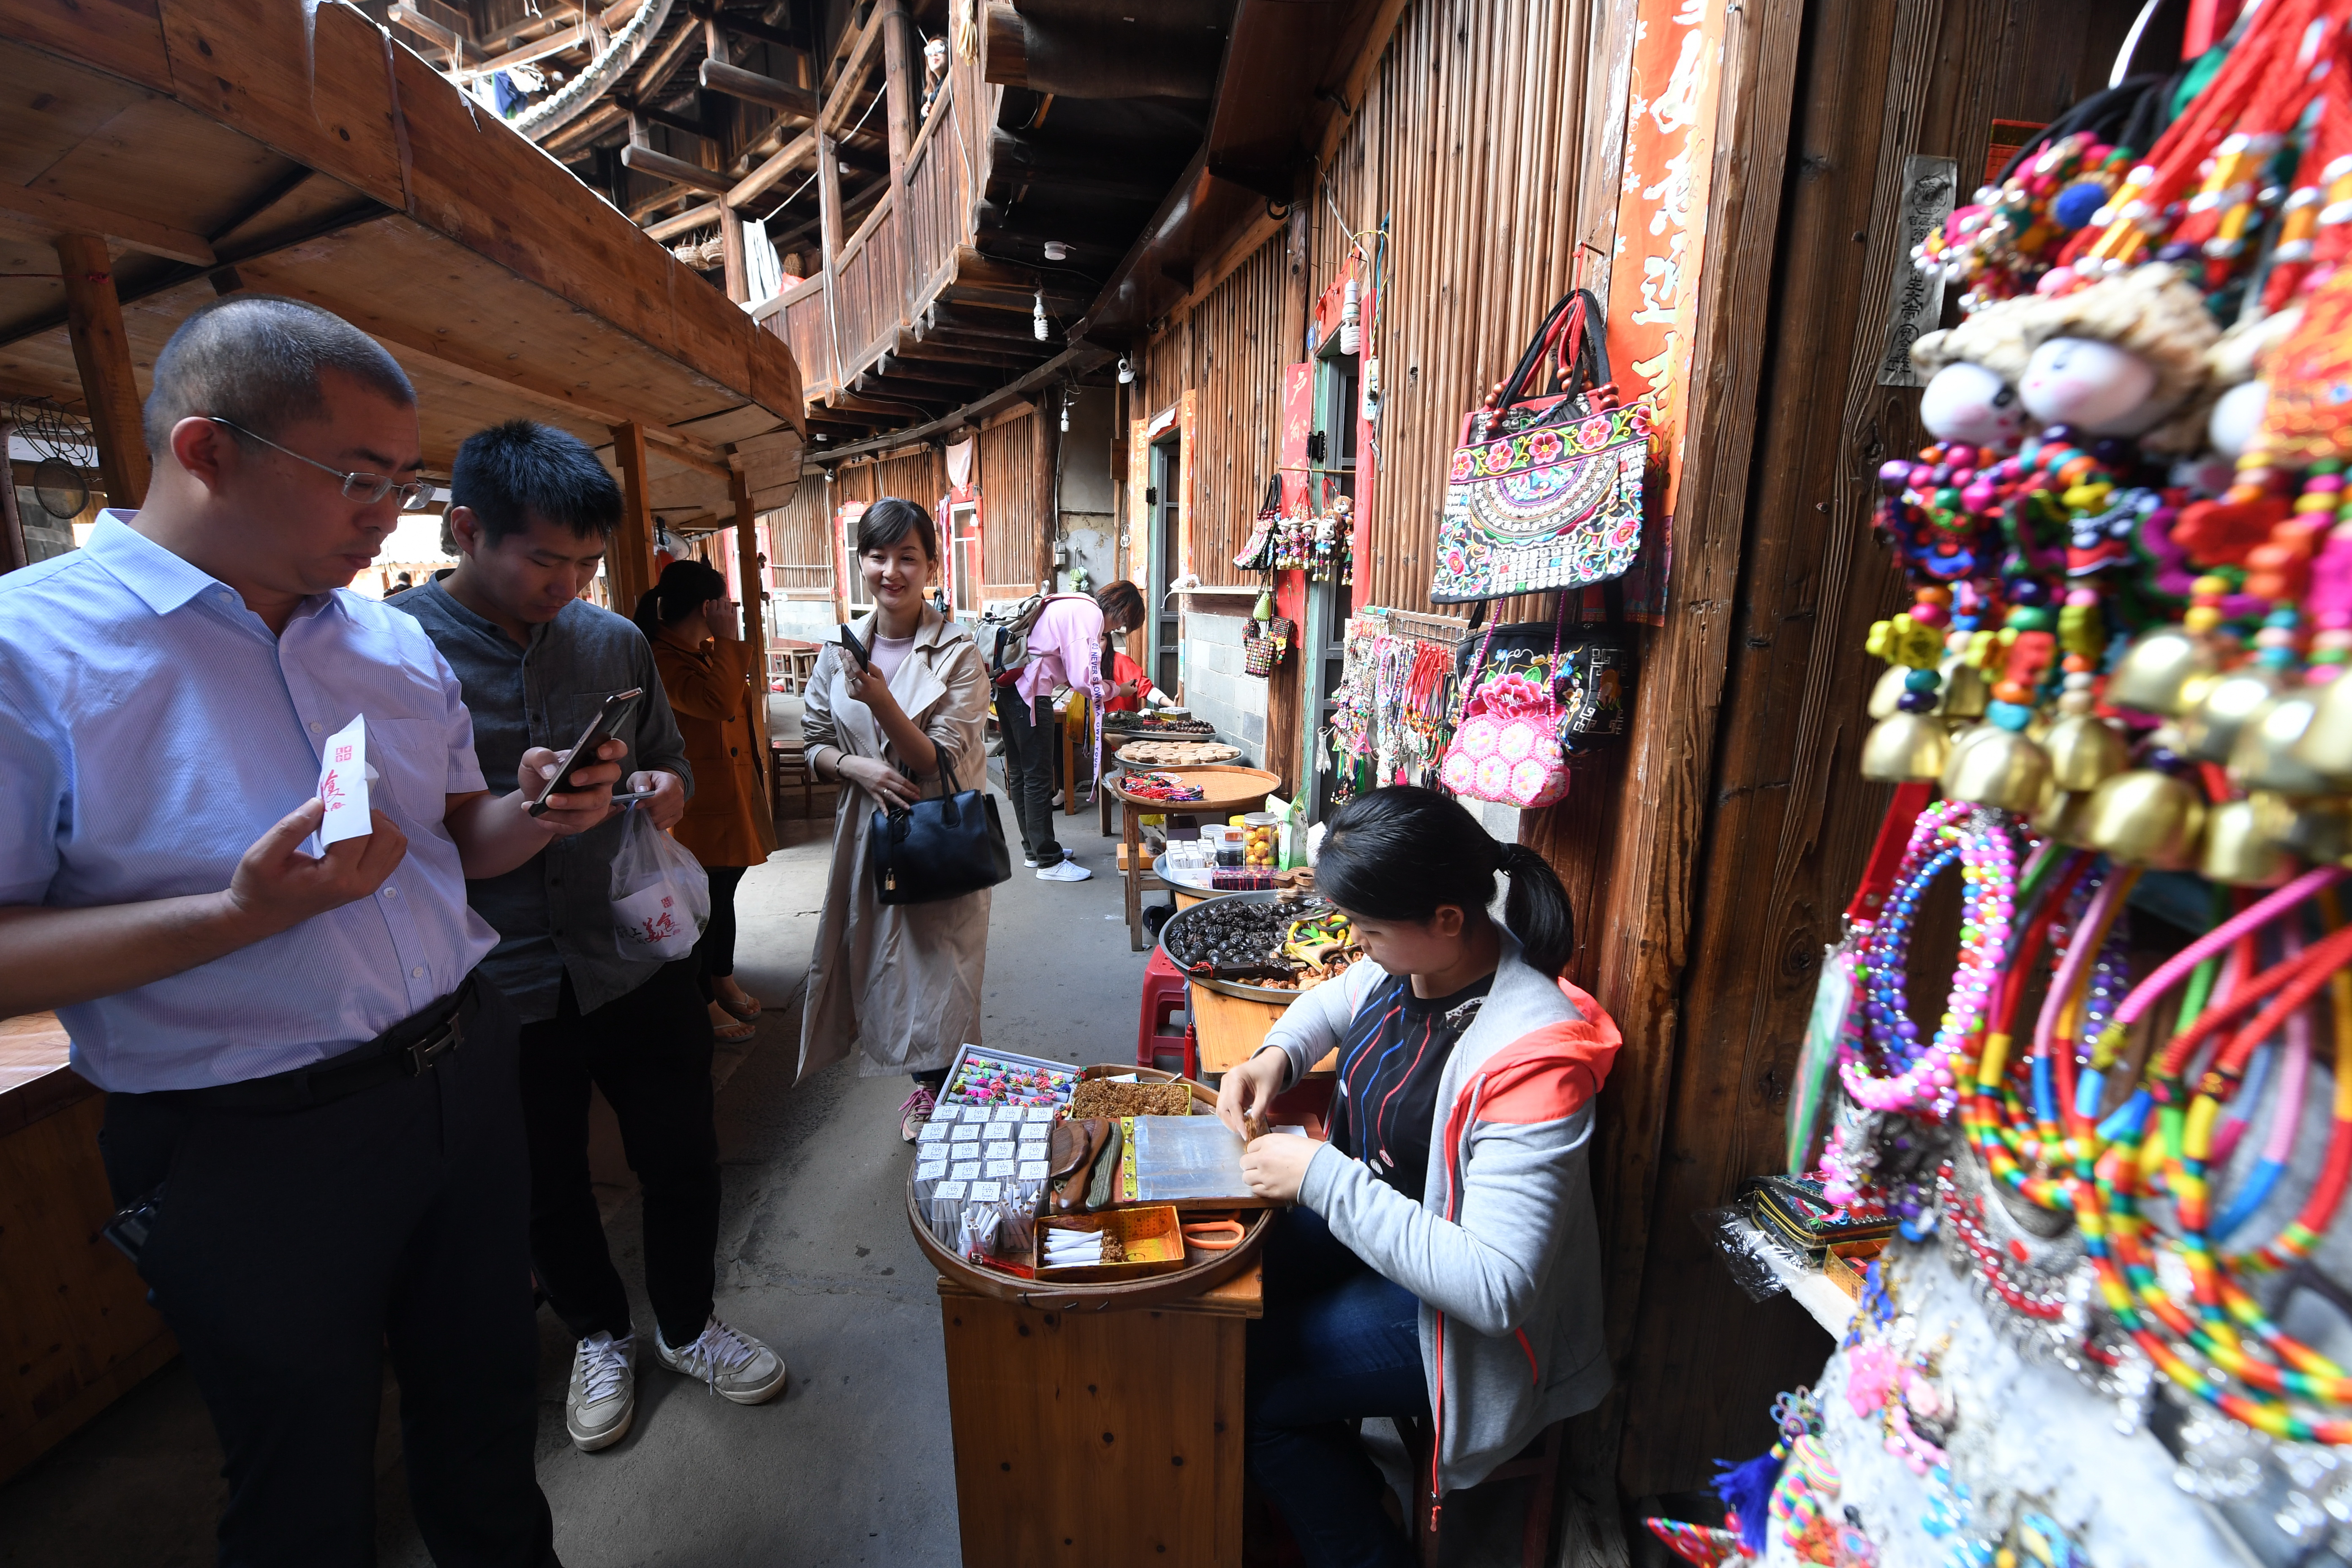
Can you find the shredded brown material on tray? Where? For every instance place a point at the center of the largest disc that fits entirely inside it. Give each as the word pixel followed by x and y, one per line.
pixel 1096 1097
pixel 1114 1250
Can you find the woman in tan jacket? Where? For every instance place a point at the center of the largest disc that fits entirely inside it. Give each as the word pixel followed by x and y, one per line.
pixel 707 674
pixel 901 982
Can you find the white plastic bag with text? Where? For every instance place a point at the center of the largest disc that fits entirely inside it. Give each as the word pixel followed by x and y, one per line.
pixel 661 895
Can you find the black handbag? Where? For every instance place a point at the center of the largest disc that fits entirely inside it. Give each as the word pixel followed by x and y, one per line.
pixel 936 850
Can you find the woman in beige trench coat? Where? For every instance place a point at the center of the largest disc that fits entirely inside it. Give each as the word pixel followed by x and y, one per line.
pixel 901 982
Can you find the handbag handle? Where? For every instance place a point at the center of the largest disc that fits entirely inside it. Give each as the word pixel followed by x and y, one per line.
pixel 1538 349
pixel 952 813
pixel 1583 361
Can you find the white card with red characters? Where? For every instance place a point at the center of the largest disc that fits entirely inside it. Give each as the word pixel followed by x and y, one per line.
pixel 344 775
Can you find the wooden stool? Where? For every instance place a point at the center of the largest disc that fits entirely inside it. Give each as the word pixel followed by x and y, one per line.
pixel 1538 1463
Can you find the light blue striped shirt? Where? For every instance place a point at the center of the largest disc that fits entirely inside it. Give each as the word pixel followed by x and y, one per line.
pixel 152 727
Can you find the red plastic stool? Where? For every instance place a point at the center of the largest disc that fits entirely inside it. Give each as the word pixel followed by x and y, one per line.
pixel 1165 994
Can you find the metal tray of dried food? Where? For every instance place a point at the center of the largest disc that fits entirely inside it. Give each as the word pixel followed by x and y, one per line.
pixel 1308 904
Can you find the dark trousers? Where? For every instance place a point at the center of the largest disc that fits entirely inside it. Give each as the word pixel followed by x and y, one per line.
pixel 1028 731
pixel 716 952
pixel 649 1051
pixel 1338 1342
pixel 292 1249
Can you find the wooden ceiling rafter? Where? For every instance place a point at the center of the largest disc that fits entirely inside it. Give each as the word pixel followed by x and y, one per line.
pixel 614 337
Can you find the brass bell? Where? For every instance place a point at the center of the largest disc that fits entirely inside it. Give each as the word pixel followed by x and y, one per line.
pixel 2065 818
pixel 2265 756
pixel 2241 844
pixel 2143 817
pixel 2150 675
pixel 1965 692
pixel 2084 751
pixel 2326 746
pixel 2320 831
pixel 1902 747
pixel 1886 696
pixel 2000 768
pixel 2210 728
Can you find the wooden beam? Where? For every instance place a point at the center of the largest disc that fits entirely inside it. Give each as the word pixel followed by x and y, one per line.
pixel 772 171
pixel 425 27
pixel 642 115
pixel 677 171
pixel 445 351
pixel 555 43
pixel 755 618
pixel 1076 360
pixel 53 214
pixel 102 353
pixel 753 88
pixel 845 86
pixel 629 563
pixel 552 11
pixel 687 222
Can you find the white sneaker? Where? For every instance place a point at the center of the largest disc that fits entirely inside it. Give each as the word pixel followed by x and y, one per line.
pixel 1057 800
pixel 1030 861
pixel 603 1396
pixel 1064 871
pixel 732 1364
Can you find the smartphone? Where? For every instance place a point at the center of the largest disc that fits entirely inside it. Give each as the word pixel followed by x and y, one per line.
pixel 618 710
pixel 849 640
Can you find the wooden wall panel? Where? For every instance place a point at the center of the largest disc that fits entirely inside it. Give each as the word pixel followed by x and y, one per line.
pixel 1786 820
pixel 800 533
pixel 1015 512
pixel 1466 145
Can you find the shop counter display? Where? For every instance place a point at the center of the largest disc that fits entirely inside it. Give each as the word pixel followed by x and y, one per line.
pixel 74 1319
pixel 1092 1303
pixel 1213 791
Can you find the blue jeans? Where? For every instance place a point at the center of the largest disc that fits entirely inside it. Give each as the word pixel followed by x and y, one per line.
pixel 1338 1342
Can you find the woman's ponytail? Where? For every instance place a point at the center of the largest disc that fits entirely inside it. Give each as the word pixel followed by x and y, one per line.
pixel 1537 909
pixel 1401 853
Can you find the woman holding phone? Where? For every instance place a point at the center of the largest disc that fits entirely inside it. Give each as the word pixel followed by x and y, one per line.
pixel 706 672
pixel 895 713
pixel 1443 1261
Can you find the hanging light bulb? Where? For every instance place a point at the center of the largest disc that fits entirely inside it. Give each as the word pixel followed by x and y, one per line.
pixel 1065 412
pixel 1037 315
pixel 1351 322
pixel 1125 370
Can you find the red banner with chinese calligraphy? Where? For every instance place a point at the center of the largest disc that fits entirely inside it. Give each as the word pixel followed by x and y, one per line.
pixel 1661 237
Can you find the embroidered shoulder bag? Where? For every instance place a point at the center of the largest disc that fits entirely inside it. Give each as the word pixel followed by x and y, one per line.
pixel 1545 492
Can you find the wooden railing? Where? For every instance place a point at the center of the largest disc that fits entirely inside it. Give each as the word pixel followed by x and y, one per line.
pixel 871 296
pixel 840 322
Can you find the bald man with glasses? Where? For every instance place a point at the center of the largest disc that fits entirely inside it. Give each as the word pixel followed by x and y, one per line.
pixel 313 1122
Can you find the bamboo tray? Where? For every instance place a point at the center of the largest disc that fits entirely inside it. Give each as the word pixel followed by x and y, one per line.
pixel 1202 1271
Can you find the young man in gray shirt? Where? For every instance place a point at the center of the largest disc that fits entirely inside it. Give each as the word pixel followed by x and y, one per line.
pixel 530 514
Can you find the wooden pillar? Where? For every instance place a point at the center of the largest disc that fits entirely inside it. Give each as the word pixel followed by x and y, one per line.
pixel 899 103
pixel 629 563
pixel 13 553
pixel 102 353
pixel 1048 423
pixel 828 224
pixel 755 611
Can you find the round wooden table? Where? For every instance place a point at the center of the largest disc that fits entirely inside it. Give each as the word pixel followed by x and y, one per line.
pixel 1225 789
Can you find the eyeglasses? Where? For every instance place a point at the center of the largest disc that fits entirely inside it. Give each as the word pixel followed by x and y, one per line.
pixel 365 489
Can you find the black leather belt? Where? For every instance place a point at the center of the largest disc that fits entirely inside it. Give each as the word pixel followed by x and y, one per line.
pixel 409 1049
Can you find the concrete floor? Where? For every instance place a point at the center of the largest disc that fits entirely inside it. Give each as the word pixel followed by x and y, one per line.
pixel 854 1465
